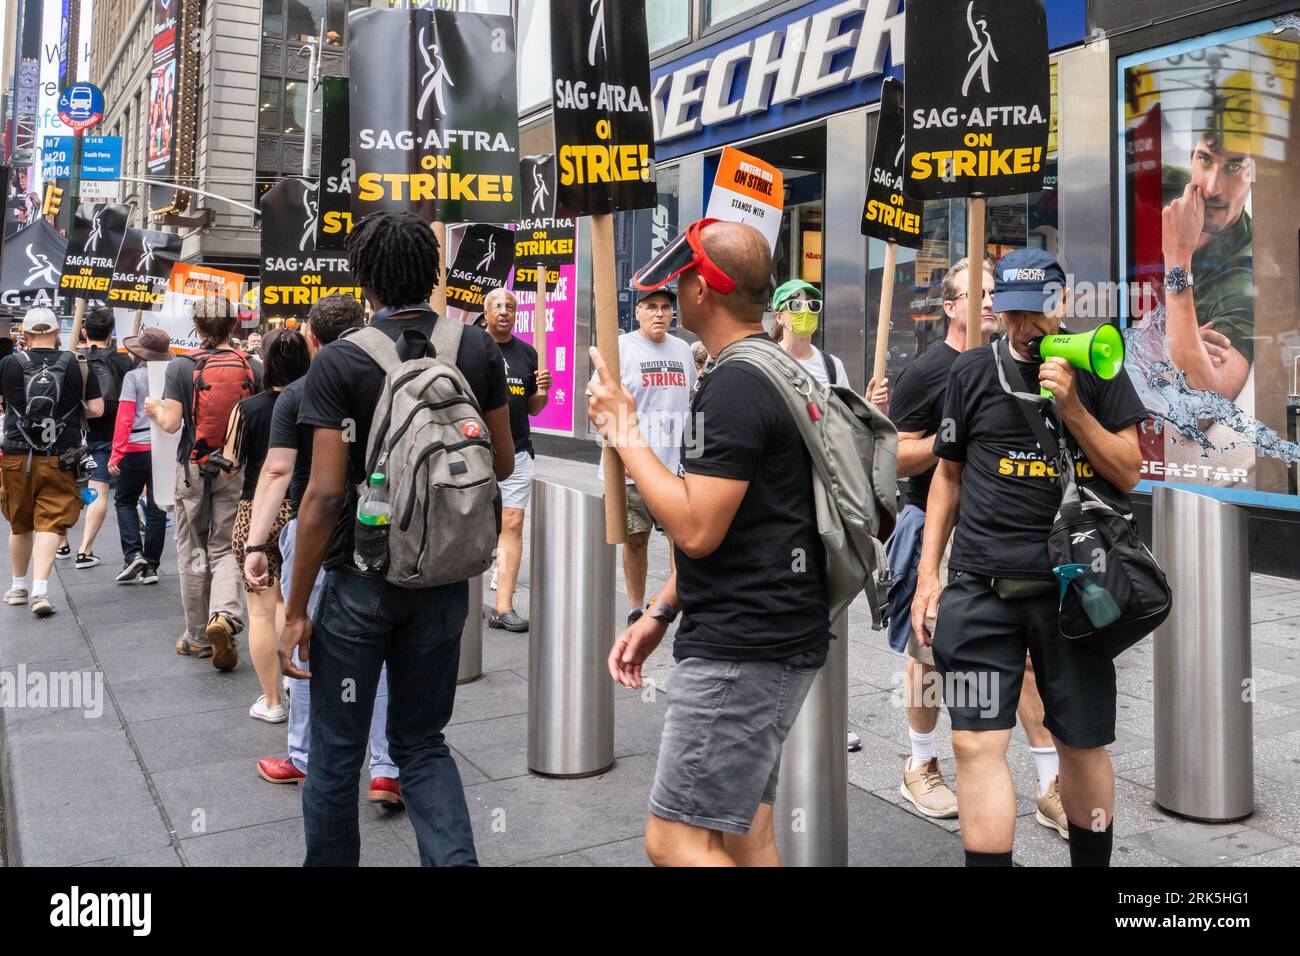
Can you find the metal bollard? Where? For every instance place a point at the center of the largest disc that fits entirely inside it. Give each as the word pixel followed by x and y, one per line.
pixel 471 638
pixel 1203 711
pixel 570 692
pixel 811 816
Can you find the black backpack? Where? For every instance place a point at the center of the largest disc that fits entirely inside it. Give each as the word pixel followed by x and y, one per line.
pixel 40 424
pixel 1113 591
pixel 107 374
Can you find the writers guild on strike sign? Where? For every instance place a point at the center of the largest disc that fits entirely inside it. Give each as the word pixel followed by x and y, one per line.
pixel 93 245
pixel 604 129
pixel 432 113
pixel 144 264
pixel 889 215
pixel 976 124
pixel 294 274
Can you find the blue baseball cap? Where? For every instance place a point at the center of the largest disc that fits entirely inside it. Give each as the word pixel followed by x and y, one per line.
pixel 1027 280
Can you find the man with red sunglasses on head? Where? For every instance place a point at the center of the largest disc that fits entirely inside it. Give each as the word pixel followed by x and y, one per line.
pixel 755 621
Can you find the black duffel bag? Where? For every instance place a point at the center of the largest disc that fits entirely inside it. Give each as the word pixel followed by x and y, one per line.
pixel 1114 592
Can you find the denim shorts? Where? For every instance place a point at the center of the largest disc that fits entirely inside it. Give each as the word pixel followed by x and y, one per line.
pixel 101 451
pixel 723 731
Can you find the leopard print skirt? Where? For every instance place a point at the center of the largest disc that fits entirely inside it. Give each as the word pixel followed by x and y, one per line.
pixel 244 519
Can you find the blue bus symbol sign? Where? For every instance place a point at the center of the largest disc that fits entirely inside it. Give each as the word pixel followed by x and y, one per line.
pixel 81 106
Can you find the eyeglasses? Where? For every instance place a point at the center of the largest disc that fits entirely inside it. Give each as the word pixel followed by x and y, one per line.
pixel 988 296
pixel 797 306
pixel 656 309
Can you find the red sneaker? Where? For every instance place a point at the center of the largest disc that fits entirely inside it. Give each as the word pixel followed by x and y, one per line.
pixel 387 791
pixel 280 770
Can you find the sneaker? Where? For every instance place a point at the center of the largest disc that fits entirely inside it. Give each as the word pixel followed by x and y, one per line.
pixel 286 687
pixel 64 552
pixel 387 791
pixel 41 606
pixel 16 596
pixel 509 621
pixel 279 770
pixel 132 570
pixel 149 575
pixel 87 560
pixel 924 789
pixel 492 579
pixel 187 648
pixel 855 742
pixel 633 616
pixel 271 715
pixel 1051 812
pixel 221 631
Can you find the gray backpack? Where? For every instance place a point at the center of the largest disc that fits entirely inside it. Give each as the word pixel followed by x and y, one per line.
pixel 430 439
pixel 854 452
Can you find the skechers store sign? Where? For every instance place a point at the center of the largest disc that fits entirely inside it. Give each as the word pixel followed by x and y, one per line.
pixel 824 57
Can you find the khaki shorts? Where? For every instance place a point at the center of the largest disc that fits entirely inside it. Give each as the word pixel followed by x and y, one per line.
pixel 46 500
pixel 639 518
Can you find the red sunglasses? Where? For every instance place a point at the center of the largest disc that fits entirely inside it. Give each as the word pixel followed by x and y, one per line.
pixel 683 253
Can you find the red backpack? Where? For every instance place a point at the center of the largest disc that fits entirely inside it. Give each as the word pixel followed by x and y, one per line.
pixel 221 378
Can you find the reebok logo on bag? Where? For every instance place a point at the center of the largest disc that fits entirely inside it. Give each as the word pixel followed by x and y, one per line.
pixel 430 439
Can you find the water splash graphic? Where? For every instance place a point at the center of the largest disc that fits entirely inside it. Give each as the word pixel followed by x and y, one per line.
pixel 1164 390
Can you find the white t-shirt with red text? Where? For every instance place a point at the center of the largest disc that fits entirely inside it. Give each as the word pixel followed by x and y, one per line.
pixel 661 377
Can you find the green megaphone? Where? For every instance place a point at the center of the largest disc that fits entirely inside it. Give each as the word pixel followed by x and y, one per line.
pixel 1100 352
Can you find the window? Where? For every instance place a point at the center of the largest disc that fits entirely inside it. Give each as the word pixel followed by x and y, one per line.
pixel 273 18
pixel 533 51
pixel 668 22
pixel 304 19
pixel 716 11
pixel 295 102
pixel 268 104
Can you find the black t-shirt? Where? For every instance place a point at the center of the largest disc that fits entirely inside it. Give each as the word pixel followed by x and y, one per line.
pixel 70 397
pixel 521 383
pixel 287 433
pixel 101 429
pixel 343 388
pixel 762 594
pixel 255 435
pixel 917 406
pixel 1009 495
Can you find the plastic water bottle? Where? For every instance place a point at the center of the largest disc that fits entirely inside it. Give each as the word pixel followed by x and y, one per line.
pixel 370 540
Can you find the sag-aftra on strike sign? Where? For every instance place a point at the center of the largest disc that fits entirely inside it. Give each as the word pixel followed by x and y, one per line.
pixel 978 98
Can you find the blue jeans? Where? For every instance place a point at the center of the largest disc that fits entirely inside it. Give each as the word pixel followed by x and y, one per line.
pixel 381 764
pixel 135 474
pixel 360 623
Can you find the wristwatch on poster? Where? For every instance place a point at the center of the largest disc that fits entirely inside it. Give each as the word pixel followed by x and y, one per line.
pixel 1178 279
pixel 661 610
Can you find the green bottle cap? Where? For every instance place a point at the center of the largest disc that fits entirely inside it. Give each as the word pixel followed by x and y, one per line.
pixel 377 479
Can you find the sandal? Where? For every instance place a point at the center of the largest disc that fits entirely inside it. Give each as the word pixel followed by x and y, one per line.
pixel 186 648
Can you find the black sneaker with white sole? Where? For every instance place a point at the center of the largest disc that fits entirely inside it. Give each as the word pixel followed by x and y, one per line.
pixel 509 621
pixel 64 552
pixel 149 575
pixel 132 570
pixel 87 560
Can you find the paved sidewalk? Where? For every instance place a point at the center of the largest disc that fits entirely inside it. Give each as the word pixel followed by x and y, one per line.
pixel 165 774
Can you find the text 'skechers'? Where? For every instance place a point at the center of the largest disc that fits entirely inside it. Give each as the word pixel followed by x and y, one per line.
pixel 604 130
pixel 976 123
pixel 889 215
pixel 434 120
pixel 294 273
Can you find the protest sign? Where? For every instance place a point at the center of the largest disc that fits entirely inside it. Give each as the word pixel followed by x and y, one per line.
pixel 483 263
pixel 336 170
pixel 29 272
pixel 749 190
pixel 294 274
pixel 96 237
pixel 144 264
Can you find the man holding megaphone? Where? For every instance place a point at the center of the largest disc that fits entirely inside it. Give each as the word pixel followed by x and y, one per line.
pixel 1002 598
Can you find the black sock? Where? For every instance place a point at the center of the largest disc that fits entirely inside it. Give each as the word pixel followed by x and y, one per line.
pixel 1090 848
pixel 988 859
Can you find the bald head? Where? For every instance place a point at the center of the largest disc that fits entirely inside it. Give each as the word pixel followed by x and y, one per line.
pixel 505 294
pixel 742 253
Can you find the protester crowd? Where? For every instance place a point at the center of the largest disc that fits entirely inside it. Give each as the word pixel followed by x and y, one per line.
pixel 285 494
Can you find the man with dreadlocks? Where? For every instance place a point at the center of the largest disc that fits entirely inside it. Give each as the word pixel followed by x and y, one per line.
pixel 363 620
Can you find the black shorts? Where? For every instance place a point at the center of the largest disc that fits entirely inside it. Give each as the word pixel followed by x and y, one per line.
pixel 980 642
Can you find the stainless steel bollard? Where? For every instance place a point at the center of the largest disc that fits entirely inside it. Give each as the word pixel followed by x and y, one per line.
pixel 811 816
pixel 570 692
pixel 1204 738
pixel 471 638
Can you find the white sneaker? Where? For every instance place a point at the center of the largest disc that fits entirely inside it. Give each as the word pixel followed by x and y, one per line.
pixel 272 715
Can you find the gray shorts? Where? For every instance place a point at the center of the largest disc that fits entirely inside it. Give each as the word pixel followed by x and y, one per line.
pixel 721 748
pixel 517 490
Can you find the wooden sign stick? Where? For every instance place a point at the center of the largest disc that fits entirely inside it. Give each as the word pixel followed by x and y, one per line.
pixel 539 319
pixel 975 273
pixel 886 309
pixel 606 321
pixel 138 322
pixel 78 316
pixel 438 301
